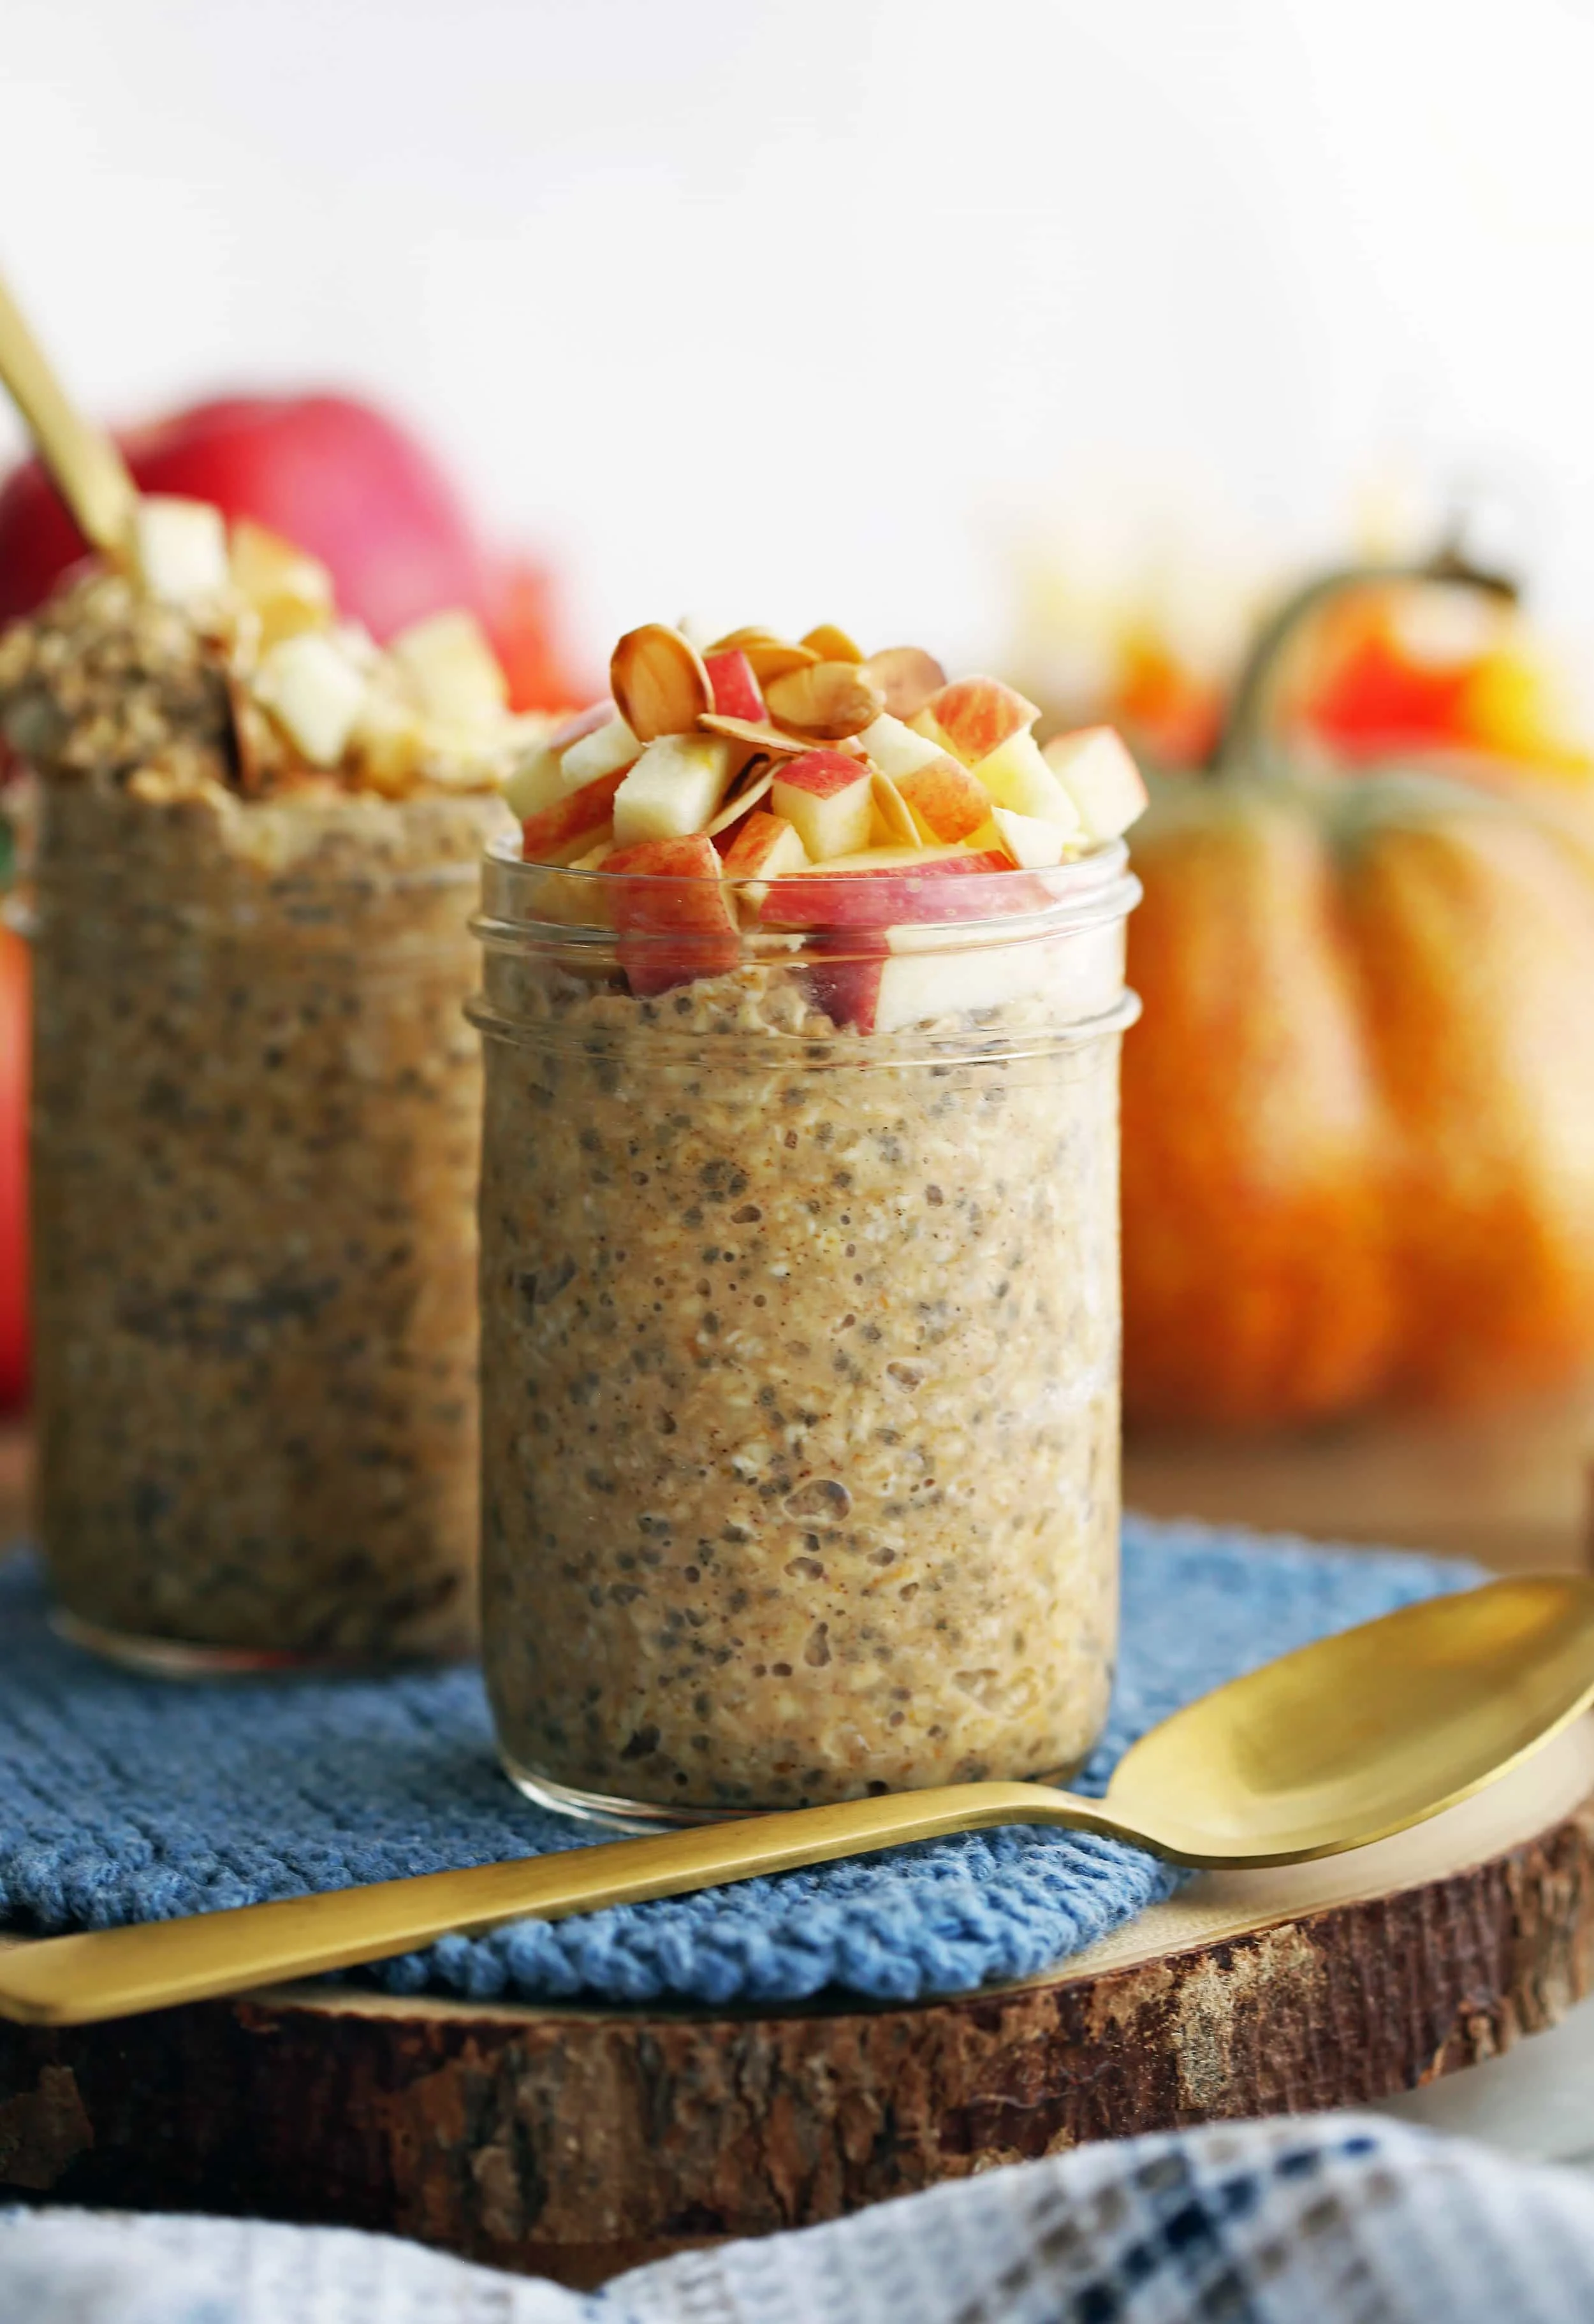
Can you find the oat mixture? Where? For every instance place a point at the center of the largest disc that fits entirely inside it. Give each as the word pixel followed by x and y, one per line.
pixel 256 1127
pixel 800 1394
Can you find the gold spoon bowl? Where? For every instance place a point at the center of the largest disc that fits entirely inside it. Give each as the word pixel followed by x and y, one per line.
pixel 1342 1742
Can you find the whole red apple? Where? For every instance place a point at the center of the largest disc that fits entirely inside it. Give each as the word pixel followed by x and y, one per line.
pixel 342 479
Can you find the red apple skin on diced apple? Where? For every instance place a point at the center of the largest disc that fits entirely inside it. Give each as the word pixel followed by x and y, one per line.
pixel 847 988
pixel 865 899
pixel 823 773
pixel 886 990
pixel 673 912
pixel 737 693
pixel 584 810
pixel 761 839
pixel 944 799
pixel 829 796
pixel 977 714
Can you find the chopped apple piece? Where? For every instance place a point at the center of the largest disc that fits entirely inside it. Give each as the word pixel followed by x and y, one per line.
pixel 894 825
pixel 536 782
pixel 881 992
pixel 454 671
pixel 314 692
pixel 1100 777
pixel 737 693
pixel 974 716
pixel 1033 845
pixel 673 788
pixel 879 922
pixel 288 589
pixel 596 752
pixel 387 739
pixel 673 911
pixel 944 799
pixel 765 848
pixel 576 903
pixel 569 817
pixel 895 749
pixel 885 884
pixel 882 856
pixel 1016 776
pixel 829 798
pixel 180 549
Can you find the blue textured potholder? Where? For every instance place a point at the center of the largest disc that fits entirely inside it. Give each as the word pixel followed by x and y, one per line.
pixel 130 1799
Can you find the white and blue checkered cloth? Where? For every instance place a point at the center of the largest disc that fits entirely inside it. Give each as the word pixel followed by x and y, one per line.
pixel 1343 2219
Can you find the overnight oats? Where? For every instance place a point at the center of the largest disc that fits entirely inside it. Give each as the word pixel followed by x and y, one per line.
pixel 802 994
pixel 256 1116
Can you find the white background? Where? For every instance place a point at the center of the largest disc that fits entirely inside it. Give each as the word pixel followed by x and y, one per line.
pixel 804 310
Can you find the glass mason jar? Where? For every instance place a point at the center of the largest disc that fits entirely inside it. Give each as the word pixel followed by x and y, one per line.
pixel 800 1332
pixel 256 1119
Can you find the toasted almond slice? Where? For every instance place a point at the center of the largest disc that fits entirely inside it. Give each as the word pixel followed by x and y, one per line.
pixel 734 808
pixel 831 701
pixel 770 656
pixel 832 644
pixel 893 811
pixel 907 677
pixel 259 749
pixel 780 745
pixel 659 683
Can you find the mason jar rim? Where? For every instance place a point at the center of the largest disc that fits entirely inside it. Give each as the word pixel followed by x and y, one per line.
pixel 1083 892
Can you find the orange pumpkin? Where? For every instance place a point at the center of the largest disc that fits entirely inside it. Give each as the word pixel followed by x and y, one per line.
pixel 1359 1111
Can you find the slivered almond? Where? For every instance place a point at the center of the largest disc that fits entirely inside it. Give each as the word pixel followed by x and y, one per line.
pixel 832 644
pixel 893 811
pixel 258 747
pixel 763 738
pixel 770 656
pixel 658 682
pixel 831 701
pixel 734 808
pixel 907 677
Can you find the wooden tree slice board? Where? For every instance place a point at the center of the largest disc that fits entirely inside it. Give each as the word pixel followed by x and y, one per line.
pixel 576 2142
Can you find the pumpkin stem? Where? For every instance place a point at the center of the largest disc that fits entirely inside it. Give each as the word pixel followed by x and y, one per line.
pixel 1250 737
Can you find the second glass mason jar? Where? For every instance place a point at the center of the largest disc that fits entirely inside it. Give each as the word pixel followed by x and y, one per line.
pixel 800 1334
pixel 256 1121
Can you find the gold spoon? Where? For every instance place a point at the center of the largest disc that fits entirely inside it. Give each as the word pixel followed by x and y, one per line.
pixel 1338 1744
pixel 88 470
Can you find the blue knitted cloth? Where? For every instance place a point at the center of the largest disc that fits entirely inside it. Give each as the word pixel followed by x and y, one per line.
pixel 131 1799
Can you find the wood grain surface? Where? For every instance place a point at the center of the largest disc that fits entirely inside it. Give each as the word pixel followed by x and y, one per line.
pixel 575 2143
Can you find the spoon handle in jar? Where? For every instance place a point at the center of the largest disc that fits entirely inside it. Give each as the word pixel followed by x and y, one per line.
pixel 86 465
pixel 78 1980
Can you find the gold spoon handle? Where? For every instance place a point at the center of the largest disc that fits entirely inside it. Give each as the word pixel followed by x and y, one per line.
pixel 86 465
pixel 117 1972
